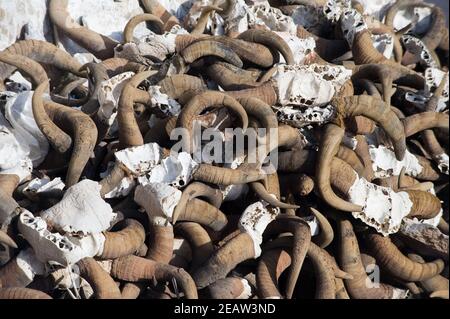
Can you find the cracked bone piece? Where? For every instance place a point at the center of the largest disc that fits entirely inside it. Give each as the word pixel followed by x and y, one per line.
pixel 443 163
pixel 81 210
pixel 175 170
pixel 409 15
pixel 140 159
pixel 43 185
pixel 352 22
pixel 159 46
pixel 333 9
pixel 108 96
pixel 254 221
pixel 385 164
pixel 307 85
pixel 54 248
pixel 383 209
pixel 303 117
pixel 418 48
pixel 159 201
pixel 161 101
pixel 384 43
pixel 433 77
pixel 262 14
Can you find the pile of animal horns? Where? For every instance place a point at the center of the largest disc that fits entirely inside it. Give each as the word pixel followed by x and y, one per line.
pixel 354 207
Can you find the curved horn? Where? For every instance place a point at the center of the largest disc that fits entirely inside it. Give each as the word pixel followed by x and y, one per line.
pixel 129 133
pixel 176 85
pixel 154 7
pixel 227 176
pixel 201 102
pixel 41 52
pixel 200 49
pixel 230 77
pixel 376 110
pixel 134 21
pixel 229 288
pixel 135 269
pixel 392 260
pixel 57 138
pixel 270 39
pixel 99 45
pixel 199 240
pixel 270 267
pixel 326 234
pixel 350 261
pixel 26 65
pixel 161 243
pixel 84 134
pixel 425 120
pixel 124 242
pixel 223 260
pixel 22 293
pixel 199 211
pixel 101 282
pixel 331 140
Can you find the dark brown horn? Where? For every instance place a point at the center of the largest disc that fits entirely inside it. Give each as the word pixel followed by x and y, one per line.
pixel 22 293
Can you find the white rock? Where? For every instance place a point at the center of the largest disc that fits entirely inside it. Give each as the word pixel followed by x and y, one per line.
pixel 140 159
pixel 433 77
pixel 262 14
pixel 161 101
pixel 303 117
pixel 376 8
pixel 442 161
pixel 334 9
pixel 54 248
pixel 405 17
pixel 159 46
pixel 247 291
pixel 254 221
pixel 383 208
pixel 159 201
pixel 81 210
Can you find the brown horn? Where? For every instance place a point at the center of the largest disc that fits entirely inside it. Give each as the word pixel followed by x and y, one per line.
pixel 26 65
pixel 391 259
pixel 249 51
pixel 223 260
pixel 134 21
pixel 84 134
pixel 230 77
pixel 22 293
pixel 101 282
pixel 134 269
pixel 350 261
pixel 331 140
pixel 262 192
pixel 325 286
pixel 270 267
pixel 161 243
pixel 41 52
pixel 176 85
pixel 201 102
pixel 376 110
pixel 226 176
pixel 200 49
pixel 6 240
pixel 199 211
pixel 129 133
pixel 154 7
pixel 97 74
pixel 8 206
pixel 57 138
pixel 326 234
pixel 124 242
pixel 199 240
pixel 265 93
pixel 227 288
pixel 270 39
pixel 434 284
pixel 99 45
